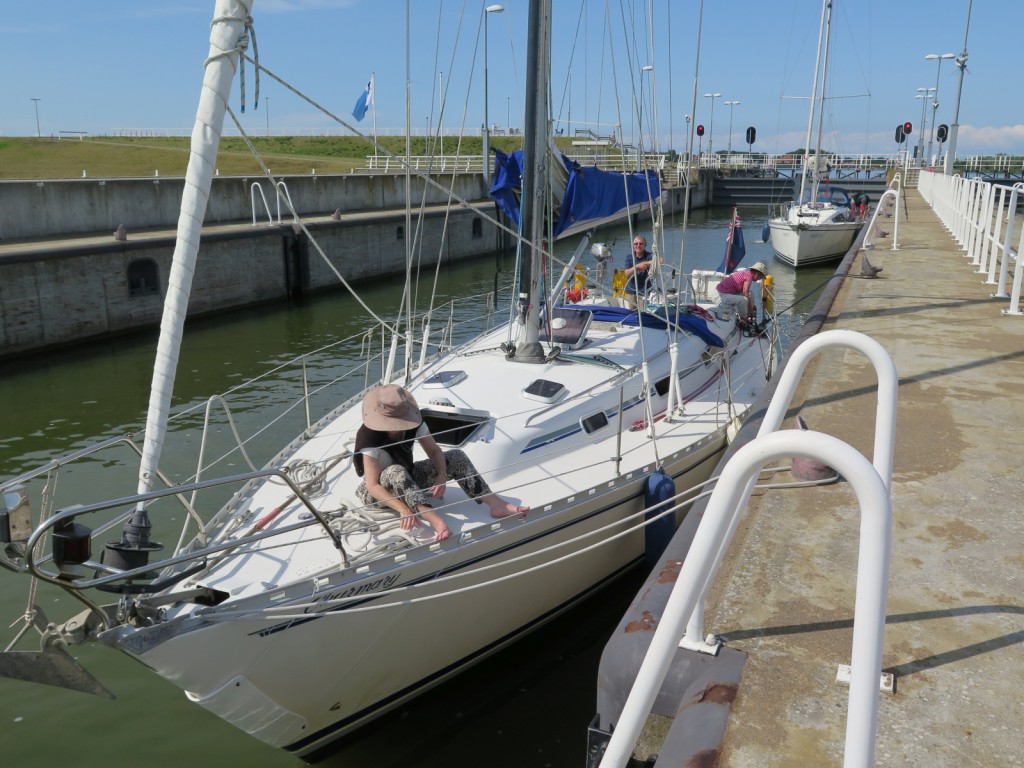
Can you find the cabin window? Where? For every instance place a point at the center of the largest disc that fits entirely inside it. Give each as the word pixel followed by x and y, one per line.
pixel 400 233
pixel 478 228
pixel 661 386
pixel 593 423
pixel 143 278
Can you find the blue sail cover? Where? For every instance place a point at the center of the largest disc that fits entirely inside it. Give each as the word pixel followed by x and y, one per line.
pixel 590 195
pixel 658 320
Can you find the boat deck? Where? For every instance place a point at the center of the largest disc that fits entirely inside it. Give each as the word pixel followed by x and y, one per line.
pixel 784 599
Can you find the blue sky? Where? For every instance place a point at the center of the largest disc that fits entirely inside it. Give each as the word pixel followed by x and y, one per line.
pixel 120 66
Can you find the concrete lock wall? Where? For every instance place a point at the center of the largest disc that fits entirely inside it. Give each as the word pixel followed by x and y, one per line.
pixel 34 209
pixel 56 289
pixel 68 294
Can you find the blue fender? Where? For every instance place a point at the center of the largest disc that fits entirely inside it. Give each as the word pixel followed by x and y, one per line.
pixel 658 490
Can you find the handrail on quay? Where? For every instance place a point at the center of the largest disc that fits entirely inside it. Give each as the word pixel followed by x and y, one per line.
pixel 893 193
pixel 253 188
pixel 280 190
pixel 680 625
pixel 712 535
pixel 974 211
pixel 884 443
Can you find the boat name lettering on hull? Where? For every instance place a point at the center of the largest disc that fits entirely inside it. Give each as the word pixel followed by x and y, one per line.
pixel 372 586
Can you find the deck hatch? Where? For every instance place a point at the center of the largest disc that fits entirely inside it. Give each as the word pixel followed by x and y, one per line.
pixel 544 391
pixel 569 327
pixel 452 429
pixel 444 379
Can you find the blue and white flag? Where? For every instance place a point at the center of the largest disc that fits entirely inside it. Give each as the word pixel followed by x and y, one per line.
pixel 365 101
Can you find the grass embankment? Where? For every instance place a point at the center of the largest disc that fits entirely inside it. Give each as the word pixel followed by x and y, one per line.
pixel 124 157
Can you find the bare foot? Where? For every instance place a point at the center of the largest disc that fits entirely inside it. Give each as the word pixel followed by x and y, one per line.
pixel 502 509
pixel 436 522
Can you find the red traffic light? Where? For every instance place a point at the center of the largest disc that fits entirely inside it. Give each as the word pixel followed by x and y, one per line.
pixel 908 127
pixel 700 130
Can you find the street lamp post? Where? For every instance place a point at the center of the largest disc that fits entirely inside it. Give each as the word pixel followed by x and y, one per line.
pixel 924 94
pixel 711 123
pixel 36 104
pixel 267 105
pixel 487 126
pixel 508 115
pixel 935 104
pixel 731 105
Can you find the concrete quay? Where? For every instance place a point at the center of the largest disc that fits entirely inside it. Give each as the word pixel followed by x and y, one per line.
pixel 783 602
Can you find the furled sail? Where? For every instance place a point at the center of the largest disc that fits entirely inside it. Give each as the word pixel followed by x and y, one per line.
pixel 230 17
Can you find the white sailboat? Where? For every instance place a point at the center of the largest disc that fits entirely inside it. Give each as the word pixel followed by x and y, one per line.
pixel 298 615
pixel 820 225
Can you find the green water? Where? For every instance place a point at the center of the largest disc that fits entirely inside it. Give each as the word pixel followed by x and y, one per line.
pixel 527 706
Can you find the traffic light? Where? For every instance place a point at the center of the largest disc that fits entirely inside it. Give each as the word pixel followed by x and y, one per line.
pixel 942 133
pixel 700 130
pixel 908 128
pixel 900 134
pixel 751 134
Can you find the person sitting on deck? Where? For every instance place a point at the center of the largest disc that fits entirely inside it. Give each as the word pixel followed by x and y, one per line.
pixel 638 266
pixel 734 291
pixel 383 458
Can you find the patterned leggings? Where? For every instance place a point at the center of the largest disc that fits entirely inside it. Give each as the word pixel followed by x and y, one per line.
pixel 410 488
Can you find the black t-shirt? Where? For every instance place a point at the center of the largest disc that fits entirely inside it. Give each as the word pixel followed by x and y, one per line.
pixel 399 450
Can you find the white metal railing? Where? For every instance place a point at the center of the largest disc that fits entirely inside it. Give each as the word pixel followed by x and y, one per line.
pixel 871 482
pixel 253 188
pixel 983 218
pixel 435 164
pixel 281 188
pixel 892 193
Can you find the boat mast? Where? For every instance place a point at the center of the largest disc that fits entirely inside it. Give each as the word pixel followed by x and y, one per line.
pixel 821 100
pixel 954 127
pixel 814 101
pixel 535 173
pixel 228 27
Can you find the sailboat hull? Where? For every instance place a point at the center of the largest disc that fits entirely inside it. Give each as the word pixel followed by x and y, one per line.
pixel 300 684
pixel 800 245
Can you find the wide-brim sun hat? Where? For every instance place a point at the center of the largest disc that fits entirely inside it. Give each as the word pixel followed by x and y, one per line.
pixel 760 267
pixel 390 407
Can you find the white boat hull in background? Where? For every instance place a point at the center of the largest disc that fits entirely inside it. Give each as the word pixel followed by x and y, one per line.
pixel 800 245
